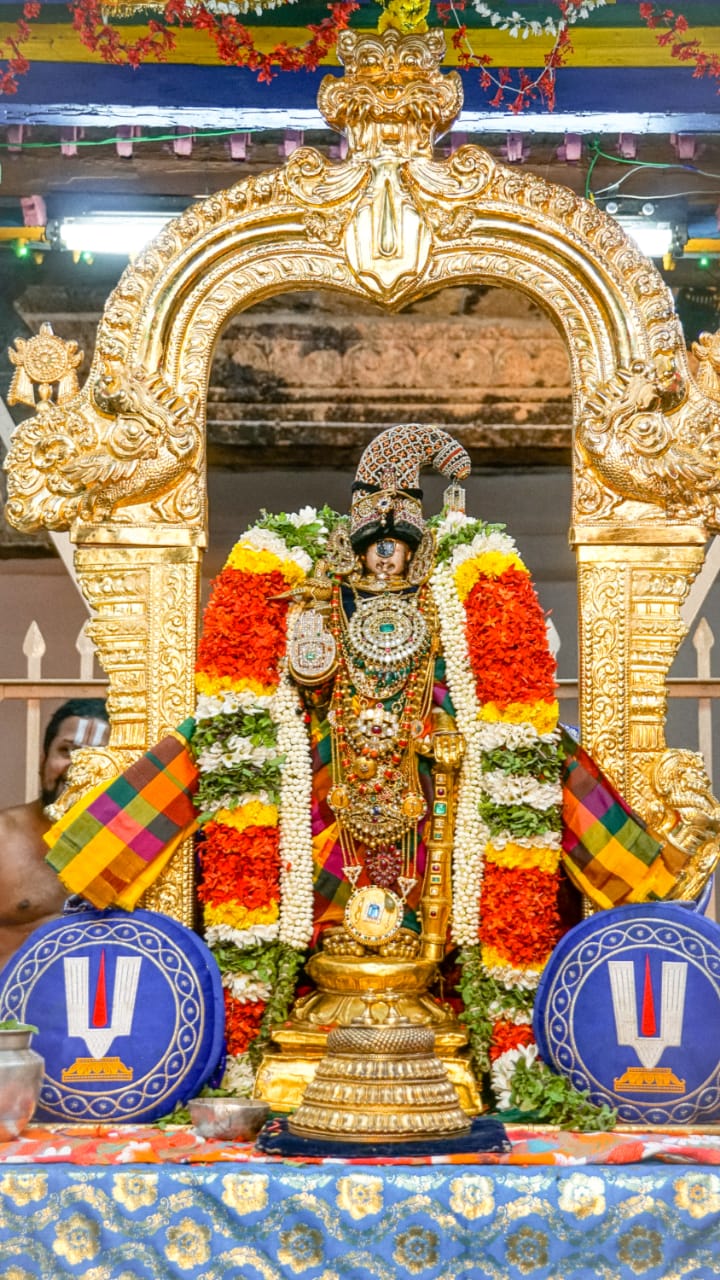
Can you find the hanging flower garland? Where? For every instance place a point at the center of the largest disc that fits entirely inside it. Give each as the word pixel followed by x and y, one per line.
pixel 673 29
pixel 507 847
pixel 235 41
pixel 520 90
pixel 255 850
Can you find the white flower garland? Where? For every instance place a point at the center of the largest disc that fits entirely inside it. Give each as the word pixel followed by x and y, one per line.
pixel 242 938
pixel 296 849
pixel 471 833
pixel 503 1069
pixel 236 802
pixel 228 703
pixel 267 540
pixel 543 840
pixel 245 988
pixel 521 788
pixel 497 733
pixel 239 1077
pixel 235 750
pixel 516 24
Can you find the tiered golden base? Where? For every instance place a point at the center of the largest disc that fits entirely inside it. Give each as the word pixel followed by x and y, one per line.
pixel 380 1084
pixel 352 987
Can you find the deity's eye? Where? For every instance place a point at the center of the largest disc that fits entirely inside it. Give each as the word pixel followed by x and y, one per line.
pixel 386 548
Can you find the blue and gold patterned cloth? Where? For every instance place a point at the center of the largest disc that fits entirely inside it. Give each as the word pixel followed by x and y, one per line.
pixel 331 1221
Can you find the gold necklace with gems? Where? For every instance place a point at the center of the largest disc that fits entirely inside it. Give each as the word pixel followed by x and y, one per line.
pixel 382 694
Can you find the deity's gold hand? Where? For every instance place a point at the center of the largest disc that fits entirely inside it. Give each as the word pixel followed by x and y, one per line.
pixel 448 749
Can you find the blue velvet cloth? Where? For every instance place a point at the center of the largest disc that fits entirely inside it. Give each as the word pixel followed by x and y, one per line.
pixel 334 1221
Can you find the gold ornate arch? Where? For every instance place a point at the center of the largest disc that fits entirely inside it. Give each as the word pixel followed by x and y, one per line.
pixel 121 462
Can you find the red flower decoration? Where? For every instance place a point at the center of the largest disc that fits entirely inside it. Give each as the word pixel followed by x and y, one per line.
pixel 244 627
pixel 520 916
pixel 239 865
pixel 506 1035
pixel 242 1022
pixel 507 641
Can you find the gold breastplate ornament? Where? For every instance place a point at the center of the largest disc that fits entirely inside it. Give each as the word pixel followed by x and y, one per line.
pixel 381 697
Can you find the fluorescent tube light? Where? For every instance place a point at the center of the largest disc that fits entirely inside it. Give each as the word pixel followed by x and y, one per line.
pixel 118 233
pixel 654 239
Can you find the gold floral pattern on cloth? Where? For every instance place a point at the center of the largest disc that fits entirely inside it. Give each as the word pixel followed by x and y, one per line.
pixel 417 1249
pixel 698 1194
pixel 528 1249
pixel 640 1249
pixel 472 1196
pixel 360 1194
pixel 188 1243
pixel 301 1247
pixel 329 1221
pixel 23 1188
pixel 583 1195
pixel 245 1192
pixel 77 1239
pixel 135 1190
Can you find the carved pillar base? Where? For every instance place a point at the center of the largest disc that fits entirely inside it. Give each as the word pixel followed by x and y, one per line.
pixel 143 587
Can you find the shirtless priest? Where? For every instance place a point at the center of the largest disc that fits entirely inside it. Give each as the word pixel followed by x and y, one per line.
pixel 30 891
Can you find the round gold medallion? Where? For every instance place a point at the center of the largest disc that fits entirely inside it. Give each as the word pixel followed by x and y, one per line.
pixel 338 797
pixel 413 806
pixel 373 915
pixel 365 767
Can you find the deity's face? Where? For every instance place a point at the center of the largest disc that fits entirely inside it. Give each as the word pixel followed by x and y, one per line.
pixel 388 558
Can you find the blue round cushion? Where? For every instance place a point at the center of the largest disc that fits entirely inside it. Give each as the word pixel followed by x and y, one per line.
pixel 129 1009
pixel 628 1008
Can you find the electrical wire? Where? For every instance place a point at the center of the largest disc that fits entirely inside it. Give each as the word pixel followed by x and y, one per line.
pixel 197 134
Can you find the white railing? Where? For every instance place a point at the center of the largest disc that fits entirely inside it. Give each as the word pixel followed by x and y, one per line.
pixel 34 690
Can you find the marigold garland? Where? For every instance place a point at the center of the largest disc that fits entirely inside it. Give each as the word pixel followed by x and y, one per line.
pixel 500 674
pixel 513 856
pixel 509 1035
pixel 236 915
pixel 242 1023
pixel 506 624
pixel 242 865
pixel 244 632
pixel 520 918
pixel 252 814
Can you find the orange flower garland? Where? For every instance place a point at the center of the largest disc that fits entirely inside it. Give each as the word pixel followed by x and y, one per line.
pixel 242 1023
pixel 244 631
pixel 239 656
pixel 506 628
pixel 520 922
pixel 240 866
pixel 507 836
pixel 507 1036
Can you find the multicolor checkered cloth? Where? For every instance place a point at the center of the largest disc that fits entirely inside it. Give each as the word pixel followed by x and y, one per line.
pixel 115 841
pixel 608 851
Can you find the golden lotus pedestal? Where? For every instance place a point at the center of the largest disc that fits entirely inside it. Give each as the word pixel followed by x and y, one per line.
pixel 380 1083
pixel 371 989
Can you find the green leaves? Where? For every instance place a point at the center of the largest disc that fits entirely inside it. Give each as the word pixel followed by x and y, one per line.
pixel 544 760
pixel 554 1100
pixel 460 536
pixel 308 529
pixel 518 819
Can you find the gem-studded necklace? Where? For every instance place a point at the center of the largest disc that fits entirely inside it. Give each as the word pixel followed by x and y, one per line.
pixel 381 696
